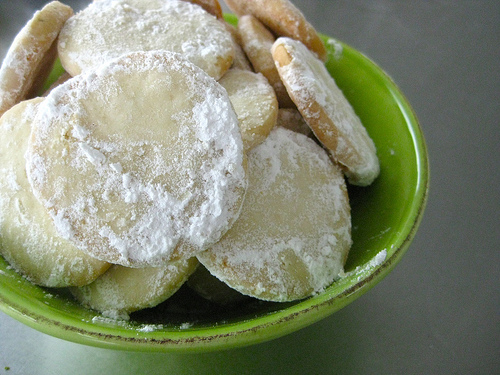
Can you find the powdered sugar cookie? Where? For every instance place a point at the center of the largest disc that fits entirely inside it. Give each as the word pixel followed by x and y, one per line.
pixel 28 238
pixel 139 162
pixel 326 110
pixel 282 18
pixel 290 118
pixel 30 57
pixel 293 234
pixel 122 290
pixel 256 41
pixel 107 29
pixel 255 104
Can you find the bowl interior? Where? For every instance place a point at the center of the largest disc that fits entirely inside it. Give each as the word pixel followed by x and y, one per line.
pixel 385 217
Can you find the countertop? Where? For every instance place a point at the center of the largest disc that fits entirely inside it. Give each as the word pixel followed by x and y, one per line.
pixel 438 312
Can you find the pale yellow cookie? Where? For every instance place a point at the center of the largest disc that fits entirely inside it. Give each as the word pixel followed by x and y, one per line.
pixel 284 19
pixel 30 57
pixel 140 162
pixel 291 119
pixel 293 235
pixel 326 111
pixel 28 238
pixel 255 104
pixel 107 29
pixel 256 41
pixel 122 290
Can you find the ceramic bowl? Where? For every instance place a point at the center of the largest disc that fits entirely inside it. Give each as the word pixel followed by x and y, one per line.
pixel 385 217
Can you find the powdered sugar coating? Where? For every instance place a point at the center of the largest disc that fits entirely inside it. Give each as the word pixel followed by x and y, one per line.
pixel 141 161
pixel 293 234
pixel 107 29
pixel 28 239
pixel 326 110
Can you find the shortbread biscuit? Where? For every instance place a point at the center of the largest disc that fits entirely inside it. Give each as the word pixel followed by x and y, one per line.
pixel 283 19
pixel 293 235
pixel 28 238
pixel 107 29
pixel 30 57
pixel 255 104
pixel 256 41
pixel 290 118
pixel 140 162
pixel 122 290
pixel 327 111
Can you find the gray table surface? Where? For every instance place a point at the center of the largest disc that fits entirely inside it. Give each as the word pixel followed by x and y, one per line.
pixel 438 312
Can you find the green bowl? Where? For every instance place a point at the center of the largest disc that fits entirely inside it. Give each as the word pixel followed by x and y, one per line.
pixel 385 217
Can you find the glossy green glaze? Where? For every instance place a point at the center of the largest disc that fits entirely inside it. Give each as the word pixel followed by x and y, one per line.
pixel 385 218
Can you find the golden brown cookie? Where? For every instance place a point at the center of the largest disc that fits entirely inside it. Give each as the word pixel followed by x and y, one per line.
pixel 28 238
pixel 139 162
pixel 256 41
pixel 293 235
pixel 30 57
pixel 326 110
pixel 282 18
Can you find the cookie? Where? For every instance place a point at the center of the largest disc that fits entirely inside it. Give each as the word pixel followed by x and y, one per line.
pixel 256 41
pixel 283 19
pixel 122 290
pixel 28 238
pixel 255 104
pixel 293 235
pixel 140 162
pixel 30 57
pixel 327 111
pixel 107 29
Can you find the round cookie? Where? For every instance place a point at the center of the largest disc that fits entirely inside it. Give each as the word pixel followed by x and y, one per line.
pixel 284 19
pixel 327 111
pixel 28 239
pixel 30 57
pixel 122 290
pixel 140 162
pixel 107 29
pixel 256 41
pixel 293 235
pixel 255 104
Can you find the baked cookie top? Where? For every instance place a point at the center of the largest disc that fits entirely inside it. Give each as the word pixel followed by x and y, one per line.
pixel 140 162
pixel 107 29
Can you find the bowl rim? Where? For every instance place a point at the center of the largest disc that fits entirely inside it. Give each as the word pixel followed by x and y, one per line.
pixel 249 331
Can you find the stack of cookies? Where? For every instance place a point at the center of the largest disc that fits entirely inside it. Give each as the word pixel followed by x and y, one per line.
pixel 176 147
